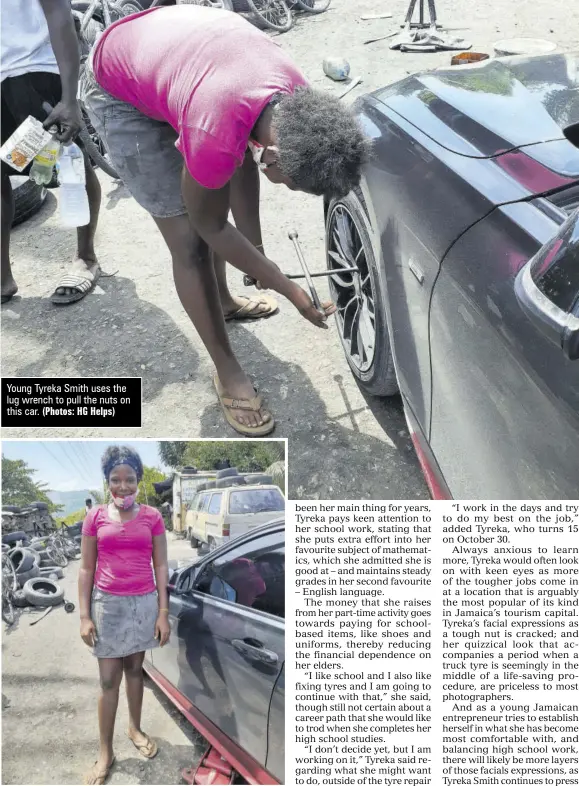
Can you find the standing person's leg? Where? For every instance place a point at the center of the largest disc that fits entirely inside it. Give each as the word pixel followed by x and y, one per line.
pixel 9 125
pixel 9 286
pixel 244 196
pixel 85 235
pixel 134 685
pixel 196 285
pixel 111 674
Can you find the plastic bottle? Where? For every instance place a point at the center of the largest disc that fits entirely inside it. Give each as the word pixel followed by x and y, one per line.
pixel 337 68
pixel 74 209
pixel 44 163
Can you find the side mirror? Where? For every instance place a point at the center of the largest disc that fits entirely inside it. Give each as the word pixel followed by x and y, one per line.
pixel 547 288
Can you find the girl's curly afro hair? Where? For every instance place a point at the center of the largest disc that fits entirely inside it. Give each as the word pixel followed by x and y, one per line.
pixel 321 146
pixel 121 454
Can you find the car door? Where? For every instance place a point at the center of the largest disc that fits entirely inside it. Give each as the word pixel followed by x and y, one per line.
pixel 200 518
pixel 505 404
pixel 214 519
pixel 226 650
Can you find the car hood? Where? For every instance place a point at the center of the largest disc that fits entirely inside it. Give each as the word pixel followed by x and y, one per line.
pixel 488 109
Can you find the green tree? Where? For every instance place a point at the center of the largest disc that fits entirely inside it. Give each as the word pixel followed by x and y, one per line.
pixel 247 455
pixel 20 488
pixel 172 453
pixel 147 493
pixel 72 518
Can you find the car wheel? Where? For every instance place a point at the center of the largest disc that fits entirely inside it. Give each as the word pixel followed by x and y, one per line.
pixel 360 297
pixel 212 545
pixel 28 198
pixel 193 541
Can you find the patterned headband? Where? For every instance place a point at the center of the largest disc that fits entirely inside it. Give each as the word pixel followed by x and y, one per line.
pixel 129 460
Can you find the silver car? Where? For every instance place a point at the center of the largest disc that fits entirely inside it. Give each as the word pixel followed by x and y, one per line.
pixel 223 666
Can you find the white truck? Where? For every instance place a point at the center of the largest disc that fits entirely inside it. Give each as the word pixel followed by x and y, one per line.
pixel 219 514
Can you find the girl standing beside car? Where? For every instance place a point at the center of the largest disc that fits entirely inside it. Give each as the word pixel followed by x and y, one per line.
pixel 123 599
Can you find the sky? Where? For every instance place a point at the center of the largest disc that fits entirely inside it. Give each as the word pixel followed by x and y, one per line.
pixel 73 465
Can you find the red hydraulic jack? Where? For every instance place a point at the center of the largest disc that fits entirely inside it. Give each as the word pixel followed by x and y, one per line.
pixel 212 769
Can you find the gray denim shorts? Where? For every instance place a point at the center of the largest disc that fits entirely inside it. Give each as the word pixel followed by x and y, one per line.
pixel 124 624
pixel 141 149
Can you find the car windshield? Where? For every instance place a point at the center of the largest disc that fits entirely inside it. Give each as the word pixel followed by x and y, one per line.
pixel 256 501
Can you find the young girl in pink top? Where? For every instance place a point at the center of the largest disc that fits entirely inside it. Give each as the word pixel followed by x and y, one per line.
pixel 123 606
pixel 193 103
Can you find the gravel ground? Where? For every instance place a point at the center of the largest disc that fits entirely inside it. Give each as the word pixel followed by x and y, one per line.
pixel 340 443
pixel 49 705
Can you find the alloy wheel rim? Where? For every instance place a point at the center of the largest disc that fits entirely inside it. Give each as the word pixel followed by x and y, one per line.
pixel 353 293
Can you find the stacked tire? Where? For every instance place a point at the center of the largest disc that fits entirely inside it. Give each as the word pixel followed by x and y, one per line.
pixel 26 564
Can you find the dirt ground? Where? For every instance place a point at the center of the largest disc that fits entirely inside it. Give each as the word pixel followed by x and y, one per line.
pixel 340 443
pixel 49 712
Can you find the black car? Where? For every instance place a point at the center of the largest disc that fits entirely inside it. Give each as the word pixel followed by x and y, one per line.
pixel 223 666
pixel 466 303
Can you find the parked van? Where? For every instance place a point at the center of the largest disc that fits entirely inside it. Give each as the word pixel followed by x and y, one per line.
pixel 217 515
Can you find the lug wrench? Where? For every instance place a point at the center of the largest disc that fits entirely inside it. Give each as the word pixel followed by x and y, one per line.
pixel 293 236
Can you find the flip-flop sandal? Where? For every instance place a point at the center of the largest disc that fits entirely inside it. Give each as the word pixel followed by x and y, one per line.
pixel 102 775
pixel 81 280
pixel 250 404
pixel 149 750
pixel 251 309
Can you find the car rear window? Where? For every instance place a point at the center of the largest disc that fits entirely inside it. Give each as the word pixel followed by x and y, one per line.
pixel 256 501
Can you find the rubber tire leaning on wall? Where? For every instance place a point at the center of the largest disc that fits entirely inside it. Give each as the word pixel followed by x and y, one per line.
pixel 37 598
pixel 22 559
pixel 23 578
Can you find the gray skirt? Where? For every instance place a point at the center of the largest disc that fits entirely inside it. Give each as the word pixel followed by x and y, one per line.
pixel 124 624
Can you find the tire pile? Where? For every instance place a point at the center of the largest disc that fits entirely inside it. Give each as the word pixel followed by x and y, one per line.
pixel 225 478
pixel 36 572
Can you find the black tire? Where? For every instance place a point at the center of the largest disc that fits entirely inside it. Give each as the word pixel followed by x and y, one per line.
pixel 379 379
pixel 224 483
pixel 43 592
pixel 201 487
pixel 11 509
pixel 19 599
pixel 193 541
pixel 38 505
pixel 54 572
pixel 259 480
pixel 13 537
pixel 33 573
pixel 39 546
pixel 28 198
pixel 226 473
pixel 22 559
pixel 210 484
